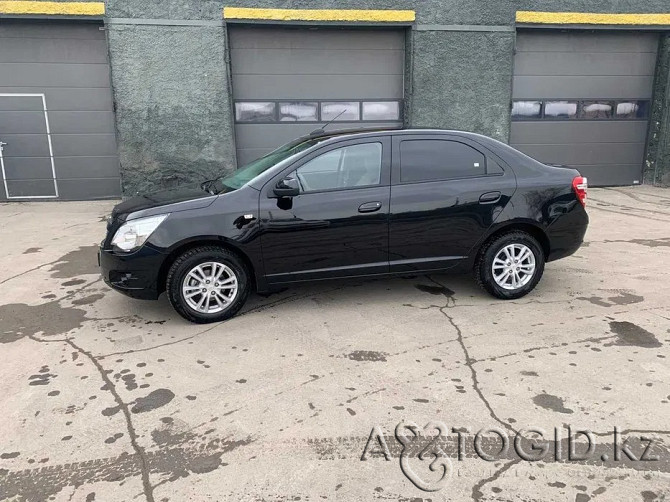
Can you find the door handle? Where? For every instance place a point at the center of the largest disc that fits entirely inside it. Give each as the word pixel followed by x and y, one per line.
pixel 489 197
pixel 370 207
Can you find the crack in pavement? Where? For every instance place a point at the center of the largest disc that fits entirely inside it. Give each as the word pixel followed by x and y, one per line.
pixel 59 260
pixel 253 310
pixel 629 208
pixel 27 272
pixel 545 347
pixel 638 197
pixel 174 461
pixel 109 385
pixel 477 489
pixel 469 361
pixel 132 434
pixel 628 214
pixel 633 431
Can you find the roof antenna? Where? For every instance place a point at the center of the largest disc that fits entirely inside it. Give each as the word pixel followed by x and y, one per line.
pixel 322 129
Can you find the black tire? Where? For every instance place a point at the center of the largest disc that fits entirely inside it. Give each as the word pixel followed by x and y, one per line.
pixel 194 257
pixel 484 264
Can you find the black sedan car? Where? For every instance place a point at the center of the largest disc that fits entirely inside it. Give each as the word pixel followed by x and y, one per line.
pixel 348 204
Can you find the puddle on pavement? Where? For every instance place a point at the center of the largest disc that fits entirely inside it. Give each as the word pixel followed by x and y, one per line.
pixel 81 261
pixel 651 243
pixel 88 300
pixel 155 399
pixel 550 402
pixel 367 355
pixel 621 299
pixel 18 320
pixel 435 290
pixel 633 335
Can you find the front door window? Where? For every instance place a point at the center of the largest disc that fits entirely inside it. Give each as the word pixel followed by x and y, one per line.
pixel 348 167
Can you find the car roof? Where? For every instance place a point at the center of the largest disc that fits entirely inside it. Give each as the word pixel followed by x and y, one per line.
pixel 326 137
pixel 363 132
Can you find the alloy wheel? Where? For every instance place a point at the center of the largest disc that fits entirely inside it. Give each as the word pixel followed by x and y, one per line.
pixel 210 287
pixel 513 266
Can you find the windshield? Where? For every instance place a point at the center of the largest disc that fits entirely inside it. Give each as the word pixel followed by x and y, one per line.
pixel 248 172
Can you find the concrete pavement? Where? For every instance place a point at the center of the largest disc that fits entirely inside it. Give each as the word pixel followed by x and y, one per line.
pixel 108 398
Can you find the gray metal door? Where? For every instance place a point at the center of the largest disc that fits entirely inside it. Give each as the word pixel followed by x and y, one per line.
pixel 56 112
pixel 289 81
pixel 26 153
pixel 583 99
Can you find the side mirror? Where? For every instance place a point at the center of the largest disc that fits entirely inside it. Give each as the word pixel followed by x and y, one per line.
pixel 288 187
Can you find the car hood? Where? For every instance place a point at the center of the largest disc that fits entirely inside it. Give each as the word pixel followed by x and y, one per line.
pixel 176 199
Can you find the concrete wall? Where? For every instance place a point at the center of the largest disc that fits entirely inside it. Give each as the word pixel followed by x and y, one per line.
pixel 172 104
pixel 657 164
pixel 462 80
pixel 172 84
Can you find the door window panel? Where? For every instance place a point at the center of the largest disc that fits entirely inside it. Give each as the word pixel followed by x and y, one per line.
pixel 596 110
pixel 632 110
pixel 560 109
pixel 340 111
pixel 526 110
pixel 347 167
pixel 255 111
pixel 299 112
pixel 431 160
pixel 381 110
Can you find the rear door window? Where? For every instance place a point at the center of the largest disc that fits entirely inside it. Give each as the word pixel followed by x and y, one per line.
pixel 437 159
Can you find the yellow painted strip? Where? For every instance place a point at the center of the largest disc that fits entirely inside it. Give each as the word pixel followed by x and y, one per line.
pixel 52 8
pixel 377 16
pixel 591 18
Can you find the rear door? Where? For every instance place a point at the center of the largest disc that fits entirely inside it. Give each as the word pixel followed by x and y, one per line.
pixel 338 225
pixel 446 192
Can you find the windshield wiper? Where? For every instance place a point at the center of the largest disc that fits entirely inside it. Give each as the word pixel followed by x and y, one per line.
pixel 207 185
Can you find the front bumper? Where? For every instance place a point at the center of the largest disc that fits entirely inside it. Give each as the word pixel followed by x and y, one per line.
pixel 134 274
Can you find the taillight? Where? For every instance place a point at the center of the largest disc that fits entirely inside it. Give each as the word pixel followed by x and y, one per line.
pixel 580 186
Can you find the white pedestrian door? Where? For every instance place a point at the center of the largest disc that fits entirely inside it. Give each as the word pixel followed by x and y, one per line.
pixel 26 153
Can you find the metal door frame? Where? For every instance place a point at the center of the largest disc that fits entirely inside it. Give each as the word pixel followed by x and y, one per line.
pixel 51 152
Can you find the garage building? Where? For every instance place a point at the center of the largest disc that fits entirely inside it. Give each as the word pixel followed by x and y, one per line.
pixel 108 99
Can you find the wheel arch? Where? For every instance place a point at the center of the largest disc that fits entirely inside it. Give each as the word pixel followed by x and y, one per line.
pixel 205 240
pixel 532 229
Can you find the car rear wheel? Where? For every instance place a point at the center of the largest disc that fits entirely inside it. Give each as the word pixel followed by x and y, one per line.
pixel 510 266
pixel 207 284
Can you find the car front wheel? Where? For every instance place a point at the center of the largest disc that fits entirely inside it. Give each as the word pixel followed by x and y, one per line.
pixel 510 266
pixel 207 284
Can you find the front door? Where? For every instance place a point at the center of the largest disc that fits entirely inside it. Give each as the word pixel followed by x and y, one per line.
pixel 447 191
pixel 26 155
pixel 338 225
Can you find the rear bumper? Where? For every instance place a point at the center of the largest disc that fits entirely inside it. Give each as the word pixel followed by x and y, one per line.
pixel 135 274
pixel 566 234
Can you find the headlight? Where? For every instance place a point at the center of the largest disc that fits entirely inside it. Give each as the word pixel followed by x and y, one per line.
pixel 134 233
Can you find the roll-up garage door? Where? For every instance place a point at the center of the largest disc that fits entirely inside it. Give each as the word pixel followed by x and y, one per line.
pixel 582 99
pixel 289 81
pixel 56 114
